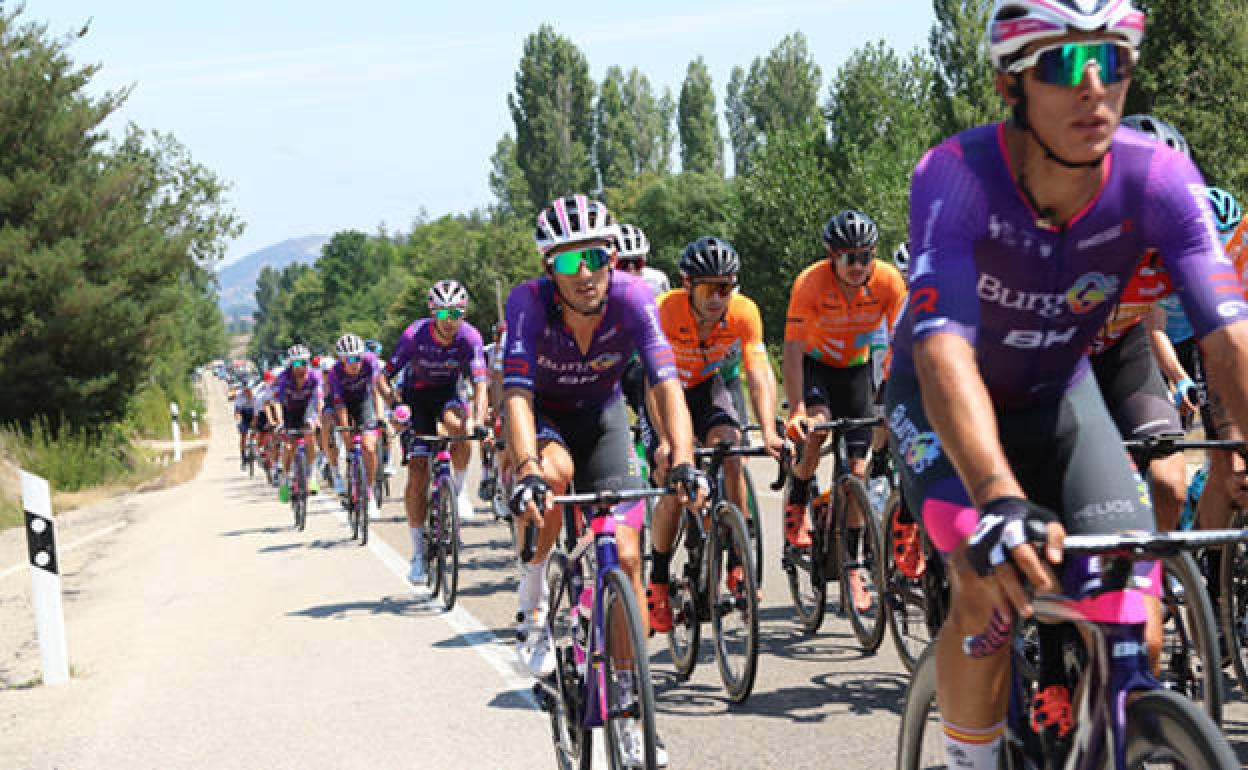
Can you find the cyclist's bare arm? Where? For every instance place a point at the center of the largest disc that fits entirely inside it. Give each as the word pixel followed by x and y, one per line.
pixel 481 401
pixel 791 368
pixel 762 382
pixel 669 402
pixel 1225 353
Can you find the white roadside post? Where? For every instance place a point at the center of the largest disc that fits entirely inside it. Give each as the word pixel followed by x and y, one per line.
pixel 177 432
pixel 45 579
pixel 194 422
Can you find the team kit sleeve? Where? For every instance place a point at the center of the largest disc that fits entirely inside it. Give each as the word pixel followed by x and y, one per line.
pixel 652 345
pixel 753 351
pixel 402 351
pixel 799 313
pixel 1181 225
pixel 524 320
pixel 476 366
pixel 947 210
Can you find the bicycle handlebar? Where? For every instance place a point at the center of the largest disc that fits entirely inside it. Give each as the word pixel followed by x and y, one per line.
pixel 1165 444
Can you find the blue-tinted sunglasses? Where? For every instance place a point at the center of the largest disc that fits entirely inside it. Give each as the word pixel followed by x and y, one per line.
pixel 1064 64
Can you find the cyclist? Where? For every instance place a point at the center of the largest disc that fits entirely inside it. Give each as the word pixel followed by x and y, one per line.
pixel 632 249
pixel 383 427
pixel 570 334
pixel 835 308
pixel 262 396
pixel 244 415
pixel 299 392
pixel 1024 234
pixel 433 355
pixel 356 385
pixel 708 323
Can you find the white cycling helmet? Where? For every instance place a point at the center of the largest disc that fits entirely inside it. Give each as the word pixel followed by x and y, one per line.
pixel 448 293
pixel 349 345
pixel 1016 23
pixel 573 219
pixel 298 352
pixel 632 243
pixel 901 258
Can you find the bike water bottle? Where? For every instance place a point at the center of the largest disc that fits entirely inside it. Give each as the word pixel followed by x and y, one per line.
pixel 1188 517
pixel 582 612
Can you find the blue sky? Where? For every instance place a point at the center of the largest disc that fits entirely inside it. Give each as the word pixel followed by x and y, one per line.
pixel 329 116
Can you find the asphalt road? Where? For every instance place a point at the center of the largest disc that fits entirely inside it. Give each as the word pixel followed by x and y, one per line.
pixel 206 633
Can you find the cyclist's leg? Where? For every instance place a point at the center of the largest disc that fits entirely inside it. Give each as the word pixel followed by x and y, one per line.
pixel 362 415
pixel 715 418
pixel 815 379
pixel 1137 398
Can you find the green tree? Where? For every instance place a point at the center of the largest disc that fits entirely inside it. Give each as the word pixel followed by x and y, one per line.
pixel 784 203
pixel 1193 72
pixel 651 116
pixel 552 112
pixel 743 132
pixel 676 209
pixel 701 144
pixel 879 126
pixel 99 244
pixel 963 83
pixel 507 182
pixel 615 132
pixel 780 94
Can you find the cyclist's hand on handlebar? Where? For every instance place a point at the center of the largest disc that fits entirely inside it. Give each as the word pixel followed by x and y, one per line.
pixel 773 443
pixel 797 428
pixel 530 499
pixel 692 485
pixel 662 461
pixel 1007 528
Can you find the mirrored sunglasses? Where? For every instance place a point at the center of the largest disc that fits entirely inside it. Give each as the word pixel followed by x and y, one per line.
pixel 863 257
pixel 452 313
pixel 569 262
pixel 706 289
pixel 1064 64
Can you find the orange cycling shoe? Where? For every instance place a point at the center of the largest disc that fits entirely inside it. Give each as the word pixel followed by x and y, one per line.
pixel 796 525
pixel 907 551
pixel 736 583
pixel 659 602
pixel 858 590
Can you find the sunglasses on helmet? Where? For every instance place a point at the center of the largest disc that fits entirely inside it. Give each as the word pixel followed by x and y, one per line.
pixel 569 262
pixel 452 313
pixel 1064 64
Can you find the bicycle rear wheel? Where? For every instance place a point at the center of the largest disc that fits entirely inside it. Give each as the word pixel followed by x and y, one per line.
pixel 685 638
pixel 353 499
pixel 361 500
pixel 1166 729
pixel 299 492
pixel 561 693
pixel 629 692
pixel 435 558
pixel 1233 609
pixel 733 594
pixel 804 568
pixel 867 566
pixel 448 551
pixel 920 741
pixel 905 600
pixel 1190 661
pixel 754 523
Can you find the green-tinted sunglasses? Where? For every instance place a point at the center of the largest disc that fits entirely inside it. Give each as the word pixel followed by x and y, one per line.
pixel 453 313
pixel 569 262
pixel 1065 64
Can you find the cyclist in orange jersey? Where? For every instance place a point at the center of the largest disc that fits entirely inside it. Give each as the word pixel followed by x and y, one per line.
pixel 710 326
pixel 835 307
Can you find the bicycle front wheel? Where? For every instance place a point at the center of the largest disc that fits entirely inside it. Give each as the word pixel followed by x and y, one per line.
pixel 754 523
pixel 561 694
pixel 448 552
pixel 299 493
pixel 353 500
pixel 920 742
pixel 629 693
pixel 435 557
pixel 1190 661
pixel 1164 727
pixel 904 598
pixel 686 635
pixel 733 594
pixel 804 568
pixel 1234 605
pixel 361 502
pixel 861 561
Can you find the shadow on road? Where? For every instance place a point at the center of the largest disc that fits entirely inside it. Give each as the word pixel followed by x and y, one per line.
pixel 406 606
pixel 254 531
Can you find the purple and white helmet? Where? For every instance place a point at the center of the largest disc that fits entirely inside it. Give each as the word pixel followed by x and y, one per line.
pixel 1016 23
pixel 448 293
pixel 574 219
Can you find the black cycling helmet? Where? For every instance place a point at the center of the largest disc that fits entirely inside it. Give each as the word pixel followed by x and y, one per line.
pixel 709 256
pixel 850 229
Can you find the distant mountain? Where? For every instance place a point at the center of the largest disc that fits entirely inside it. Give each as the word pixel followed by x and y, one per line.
pixel 238 280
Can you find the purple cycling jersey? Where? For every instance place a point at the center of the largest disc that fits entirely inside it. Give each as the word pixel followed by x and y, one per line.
pixel 542 355
pixel 344 388
pixel 297 397
pixel 430 364
pixel 1030 297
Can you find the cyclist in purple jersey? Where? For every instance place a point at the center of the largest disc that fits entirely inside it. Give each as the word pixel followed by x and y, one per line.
pixel 433 354
pixel 569 336
pixel 1023 235
pixel 298 393
pixel 357 385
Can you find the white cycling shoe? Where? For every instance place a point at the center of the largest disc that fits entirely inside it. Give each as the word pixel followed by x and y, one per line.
pixel 633 746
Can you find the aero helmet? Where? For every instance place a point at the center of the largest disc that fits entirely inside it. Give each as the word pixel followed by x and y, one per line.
pixel 573 219
pixel 448 293
pixel 850 229
pixel 709 256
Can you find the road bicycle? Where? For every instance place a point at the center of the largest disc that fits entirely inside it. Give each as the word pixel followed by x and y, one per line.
pixel 714 579
pixel 357 488
pixel 249 454
pixel 916 603
pixel 1123 717
pixel 298 480
pixel 602 671
pixel 442 526
pixel 837 550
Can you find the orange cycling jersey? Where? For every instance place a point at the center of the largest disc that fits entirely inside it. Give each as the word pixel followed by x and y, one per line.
pixel 834 329
pixel 1237 250
pixel 739 333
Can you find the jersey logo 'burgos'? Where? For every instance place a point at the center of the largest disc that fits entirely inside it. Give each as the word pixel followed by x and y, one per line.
pixel 1088 291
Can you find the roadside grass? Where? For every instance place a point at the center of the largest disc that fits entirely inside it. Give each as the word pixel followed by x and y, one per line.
pixel 10 513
